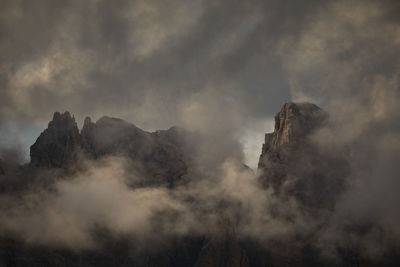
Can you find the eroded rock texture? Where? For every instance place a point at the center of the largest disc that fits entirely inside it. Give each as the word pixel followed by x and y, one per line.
pixel 59 144
pixel 158 156
pixel 293 165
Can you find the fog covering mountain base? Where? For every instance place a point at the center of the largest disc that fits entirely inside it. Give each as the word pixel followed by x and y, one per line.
pixel 112 194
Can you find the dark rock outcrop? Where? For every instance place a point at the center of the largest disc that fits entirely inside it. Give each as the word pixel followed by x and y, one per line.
pixel 59 144
pixel 113 136
pixel 161 159
pixel 159 156
pixel 293 166
pixel 293 124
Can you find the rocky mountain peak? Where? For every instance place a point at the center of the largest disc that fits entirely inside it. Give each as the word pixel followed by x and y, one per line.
pixel 293 123
pixel 159 155
pixel 62 120
pixel 57 145
pixel 87 121
pixel 88 125
pixel 292 165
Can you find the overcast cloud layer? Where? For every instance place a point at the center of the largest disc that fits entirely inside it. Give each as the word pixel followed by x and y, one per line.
pixel 224 67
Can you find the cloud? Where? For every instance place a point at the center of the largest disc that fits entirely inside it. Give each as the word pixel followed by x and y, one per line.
pixel 68 214
pixel 70 211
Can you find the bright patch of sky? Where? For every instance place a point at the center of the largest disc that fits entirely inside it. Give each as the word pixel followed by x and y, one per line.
pixel 252 140
pixel 21 136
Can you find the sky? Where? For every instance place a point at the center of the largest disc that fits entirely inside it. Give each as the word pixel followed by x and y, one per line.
pixel 220 67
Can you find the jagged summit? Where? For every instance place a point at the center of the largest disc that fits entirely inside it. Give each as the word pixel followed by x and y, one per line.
pixel 115 125
pixel 294 122
pixel 292 165
pixel 304 181
pixel 87 120
pixel 110 136
pixel 58 144
pixel 159 155
pixel 62 119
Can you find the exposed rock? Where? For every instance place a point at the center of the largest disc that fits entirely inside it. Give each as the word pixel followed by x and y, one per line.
pixel 88 136
pixel 293 124
pixel 159 158
pixel 58 145
pixel 290 163
pixel 293 166
pixel 112 136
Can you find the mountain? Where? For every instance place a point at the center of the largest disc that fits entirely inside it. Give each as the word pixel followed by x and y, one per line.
pixel 293 168
pixel 58 145
pixel 158 155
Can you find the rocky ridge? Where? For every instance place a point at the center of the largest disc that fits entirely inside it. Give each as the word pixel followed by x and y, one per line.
pixel 62 144
pixel 58 145
pixel 293 165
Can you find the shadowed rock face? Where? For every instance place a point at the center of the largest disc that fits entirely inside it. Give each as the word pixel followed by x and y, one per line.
pixel 59 144
pixel 113 136
pixel 160 158
pixel 293 166
pixel 293 124
pixel 158 155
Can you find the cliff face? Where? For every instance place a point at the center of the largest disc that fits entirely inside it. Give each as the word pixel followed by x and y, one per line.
pixel 59 144
pixel 293 166
pixel 293 124
pixel 159 157
pixel 290 163
pixel 112 136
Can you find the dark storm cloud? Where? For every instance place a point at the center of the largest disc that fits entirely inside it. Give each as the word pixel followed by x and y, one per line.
pixel 160 63
pixel 154 63
pixel 102 57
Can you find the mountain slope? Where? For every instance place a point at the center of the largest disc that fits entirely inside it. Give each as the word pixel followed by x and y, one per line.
pixel 201 216
pixel 294 166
